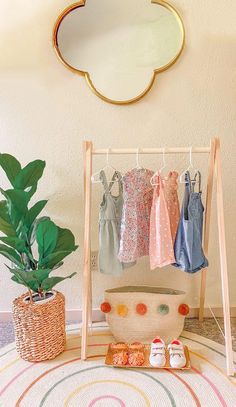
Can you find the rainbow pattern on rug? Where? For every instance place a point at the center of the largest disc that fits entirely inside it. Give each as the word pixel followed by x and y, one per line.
pixel 68 382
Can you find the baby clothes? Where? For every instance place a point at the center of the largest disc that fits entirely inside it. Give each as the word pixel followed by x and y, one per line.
pixel 163 221
pixel 109 226
pixel 188 244
pixel 172 201
pixel 135 221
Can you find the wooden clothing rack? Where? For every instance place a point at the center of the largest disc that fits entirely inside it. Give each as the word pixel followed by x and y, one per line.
pixel 214 172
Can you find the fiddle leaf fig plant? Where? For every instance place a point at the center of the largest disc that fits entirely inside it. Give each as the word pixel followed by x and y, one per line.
pixel 34 245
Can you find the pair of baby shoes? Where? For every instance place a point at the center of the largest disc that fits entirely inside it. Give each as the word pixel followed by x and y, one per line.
pixel 127 354
pixel 157 356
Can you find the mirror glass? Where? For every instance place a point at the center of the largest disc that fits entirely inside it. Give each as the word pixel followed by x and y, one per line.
pixel 119 45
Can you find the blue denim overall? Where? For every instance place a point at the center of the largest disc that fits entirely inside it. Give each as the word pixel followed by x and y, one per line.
pixel 188 250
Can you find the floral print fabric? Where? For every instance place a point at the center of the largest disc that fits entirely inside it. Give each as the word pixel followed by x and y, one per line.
pixel 172 201
pixel 164 220
pixel 135 222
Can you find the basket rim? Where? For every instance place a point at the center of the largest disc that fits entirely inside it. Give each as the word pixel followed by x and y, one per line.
pixel 145 289
pixel 19 301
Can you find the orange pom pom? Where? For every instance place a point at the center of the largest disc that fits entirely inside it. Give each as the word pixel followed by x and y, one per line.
pixel 183 309
pixel 141 309
pixel 122 310
pixel 105 307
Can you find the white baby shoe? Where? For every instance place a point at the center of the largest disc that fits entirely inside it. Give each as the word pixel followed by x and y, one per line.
pixel 157 356
pixel 177 355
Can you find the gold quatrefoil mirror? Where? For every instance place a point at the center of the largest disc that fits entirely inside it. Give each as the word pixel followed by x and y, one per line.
pixel 119 45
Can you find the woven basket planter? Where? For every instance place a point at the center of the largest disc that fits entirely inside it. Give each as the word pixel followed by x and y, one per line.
pixel 39 328
pixel 139 313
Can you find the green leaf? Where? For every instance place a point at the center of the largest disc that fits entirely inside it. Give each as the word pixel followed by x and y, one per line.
pixel 22 230
pixel 26 278
pixel 30 174
pixel 33 285
pixel 33 228
pixel 31 191
pixel 57 265
pixel 7 228
pixel 11 166
pixel 17 202
pixel 29 255
pixel 11 255
pixel 18 280
pixel 46 236
pixel 34 212
pixel 65 240
pixel 15 243
pixel 19 245
pixel 3 211
pixel 41 274
pixel 65 246
pixel 5 221
pixel 54 258
pixel 50 282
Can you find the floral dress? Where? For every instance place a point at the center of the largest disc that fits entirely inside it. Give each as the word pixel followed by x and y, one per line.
pixel 164 220
pixel 135 221
pixel 172 201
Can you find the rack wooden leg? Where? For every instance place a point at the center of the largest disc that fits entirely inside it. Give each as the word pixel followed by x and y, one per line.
pixel 223 264
pixel 211 165
pixel 87 249
pixel 90 308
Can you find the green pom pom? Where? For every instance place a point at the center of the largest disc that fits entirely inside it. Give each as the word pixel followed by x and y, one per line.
pixel 163 309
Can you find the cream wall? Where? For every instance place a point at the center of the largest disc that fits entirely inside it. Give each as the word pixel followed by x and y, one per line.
pixel 46 112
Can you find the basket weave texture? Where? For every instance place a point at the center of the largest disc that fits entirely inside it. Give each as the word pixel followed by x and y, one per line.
pixel 39 328
pixel 131 326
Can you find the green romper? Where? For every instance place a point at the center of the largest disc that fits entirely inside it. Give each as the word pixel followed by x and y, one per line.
pixel 109 226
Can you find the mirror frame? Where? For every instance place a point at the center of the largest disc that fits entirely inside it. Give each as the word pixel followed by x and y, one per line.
pixel 82 3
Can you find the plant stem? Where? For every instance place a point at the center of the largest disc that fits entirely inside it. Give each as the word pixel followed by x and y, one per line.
pixel 40 292
pixel 22 258
pixel 30 295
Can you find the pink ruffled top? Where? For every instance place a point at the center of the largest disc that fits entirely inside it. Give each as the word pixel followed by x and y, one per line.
pixel 164 220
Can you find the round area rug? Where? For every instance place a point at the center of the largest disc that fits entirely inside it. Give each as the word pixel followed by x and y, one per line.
pixel 66 381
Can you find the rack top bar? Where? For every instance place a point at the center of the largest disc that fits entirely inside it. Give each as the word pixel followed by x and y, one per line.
pixel 168 150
